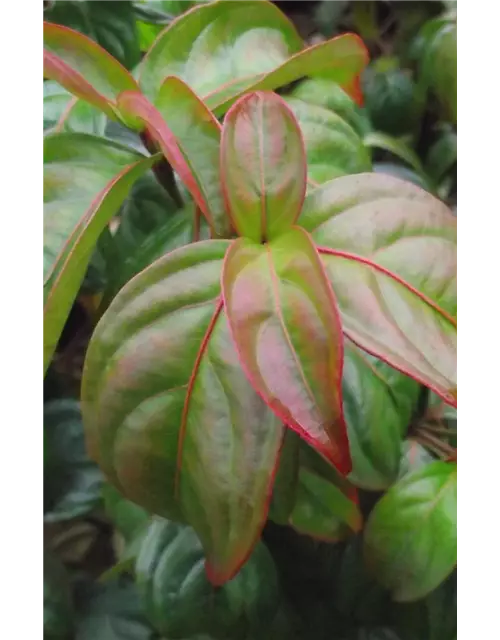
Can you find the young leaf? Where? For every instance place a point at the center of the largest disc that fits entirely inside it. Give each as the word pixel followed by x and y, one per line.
pixel 181 601
pixel 333 148
pixel 189 137
pixel 411 535
pixel 243 46
pixel 84 68
pixel 86 180
pixel 376 419
pixel 169 414
pixel 263 166
pixel 322 510
pixel 285 324
pixel 394 322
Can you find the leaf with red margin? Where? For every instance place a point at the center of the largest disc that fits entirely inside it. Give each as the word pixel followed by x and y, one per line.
pixel 169 414
pixel 189 137
pixel 263 166
pixel 84 68
pixel 86 180
pixel 393 223
pixel 284 321
pixel 243 46
pixel 387 317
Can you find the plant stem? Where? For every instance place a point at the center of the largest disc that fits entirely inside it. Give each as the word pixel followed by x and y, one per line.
pixel 162 170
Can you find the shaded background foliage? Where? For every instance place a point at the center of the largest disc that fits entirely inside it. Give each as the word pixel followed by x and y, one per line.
pixel 108 572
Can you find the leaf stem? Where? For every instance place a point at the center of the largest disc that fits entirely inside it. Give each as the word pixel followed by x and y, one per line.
pixel 162 170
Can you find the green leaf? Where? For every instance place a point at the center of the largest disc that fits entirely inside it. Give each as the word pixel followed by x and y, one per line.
pixel 330 95
pixel 57 601
pixel 404 229
pixel 111 26
pixel 400 171
pixel 128 518
pixel 189 136
pixel 322 510
pixel 394 322
pixel 438 66
pixel 182 602
pixel 169 413
pixel 83 68
pixel 286 479
pixel 112 611
pixel 392 99
pixel 72 482
pixel 434 617
pixel 263 166
pixel 285 325
pixel 399 149
pixel 376 418
pixel 442 156
pixel 63 112
pixel 358 597
pixel 333 147
pixel 86 180
pixel 243 46
pixel 424 501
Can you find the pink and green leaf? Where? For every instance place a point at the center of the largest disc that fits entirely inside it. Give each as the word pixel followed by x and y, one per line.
pixel 392 222
pixel 86 180
pixel 284 321
pixel 169 414
pixel 390 319
pixel 263 166
pixel 84 68
pixel 244 46
pixel 194 156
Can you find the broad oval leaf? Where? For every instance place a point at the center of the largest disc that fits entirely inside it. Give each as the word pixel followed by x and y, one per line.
pixel 169 414
pixel 86 180
pixel 376 417
pixel 181 601
pixel 263 166
pixel 394 322
pixel 333 147
pixel 84 68
pixel 393 223
pixel 425 501
pixel 322 510
pixel 243 46
pixel 284 321
pixel 189 137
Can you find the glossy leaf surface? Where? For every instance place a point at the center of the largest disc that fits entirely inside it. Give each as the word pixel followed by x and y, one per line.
pixel 86 180
pixel 170 414
pixel 189 137
pixel 72 482
pixel 112 26
pixel 424 501
pixel 181 601
pixel 263 166
pixel 243 46
pixel 284 322
pixel 333 147
pixel 84 68
pixel 64 112
pixel 392 222
pixel 392 321
pixel 322 510
pixel 376 417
